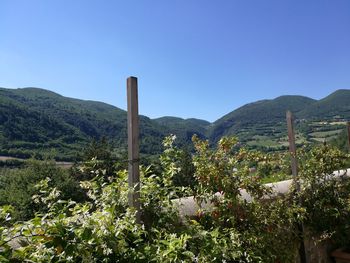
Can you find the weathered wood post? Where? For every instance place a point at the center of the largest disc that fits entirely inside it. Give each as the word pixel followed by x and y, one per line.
pixel 133 147
pixel 294 166
pixel 292 148
pixel 348 134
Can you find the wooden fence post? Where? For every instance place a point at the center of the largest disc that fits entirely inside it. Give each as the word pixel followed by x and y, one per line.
pixel 348 134
pixel 292 147
pixel 133 147
pixel 294 165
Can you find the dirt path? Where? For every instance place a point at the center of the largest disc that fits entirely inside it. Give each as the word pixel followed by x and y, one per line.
pixel 59 164
pixel 4 158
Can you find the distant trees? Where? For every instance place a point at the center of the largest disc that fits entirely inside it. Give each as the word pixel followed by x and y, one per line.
pixel 185 176
pixel 18 185
pixel 101 152
pixel 341 141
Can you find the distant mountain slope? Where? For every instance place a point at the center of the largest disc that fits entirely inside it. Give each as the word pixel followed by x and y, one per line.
pixel 89 119
pixel 267 112
pixel 336 104
pixel 33 119
pixel 39 121
pixel 36 120
pixel 185 128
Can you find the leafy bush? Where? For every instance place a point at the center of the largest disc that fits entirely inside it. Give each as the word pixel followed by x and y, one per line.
pixel 258 228
pixel 267 227
pixel 18 185
pixel 325 198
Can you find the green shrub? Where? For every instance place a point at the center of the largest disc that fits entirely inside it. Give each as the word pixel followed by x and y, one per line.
pixel 102 228
pixel 18 185
pixel 325 199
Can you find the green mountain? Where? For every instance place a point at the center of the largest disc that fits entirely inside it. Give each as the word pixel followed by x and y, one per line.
pixel 184 128
pixel 262 124
pixel 253 115
pixel 335 105
pixel 37 121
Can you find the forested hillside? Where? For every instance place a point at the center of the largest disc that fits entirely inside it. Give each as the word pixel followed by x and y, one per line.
pixel 40 122
pixel 37 121
pixel 262 124
pixel 185 128
pixel 267 112
pixel 335 105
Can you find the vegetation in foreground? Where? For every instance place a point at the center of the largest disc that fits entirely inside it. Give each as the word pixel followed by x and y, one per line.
pixel 101 228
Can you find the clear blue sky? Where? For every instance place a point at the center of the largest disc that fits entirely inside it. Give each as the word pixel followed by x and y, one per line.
pixel 193 58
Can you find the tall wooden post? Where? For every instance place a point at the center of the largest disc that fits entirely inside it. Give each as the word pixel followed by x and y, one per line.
pixel 133 146
pixel 294 165
pixel 348 134
pixel 291 139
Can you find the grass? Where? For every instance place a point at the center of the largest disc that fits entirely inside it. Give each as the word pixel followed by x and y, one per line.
pixel 318 139
pixel 324 134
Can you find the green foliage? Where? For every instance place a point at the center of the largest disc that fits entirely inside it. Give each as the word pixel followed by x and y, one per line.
pixel 18 185
pixel 266 120
pixel 335 104
pixel 185 176
pixel 267 227
pixel 34 121
pixel 11 163
pixel 250 225
pixel 341 141
pixel 184 129
pixel 104 230
pixel 98 156
pixel 266 112
pixel 324 197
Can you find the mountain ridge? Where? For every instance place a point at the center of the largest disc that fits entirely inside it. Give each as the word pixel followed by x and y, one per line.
pixel 35 119
pixel 262 111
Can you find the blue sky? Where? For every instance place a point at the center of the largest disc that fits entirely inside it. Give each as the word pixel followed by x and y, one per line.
pixel 193 58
